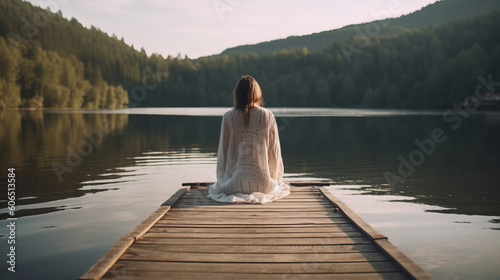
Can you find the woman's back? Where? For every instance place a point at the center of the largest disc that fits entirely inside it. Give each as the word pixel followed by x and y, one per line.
pixel 249 156
pixel 249 163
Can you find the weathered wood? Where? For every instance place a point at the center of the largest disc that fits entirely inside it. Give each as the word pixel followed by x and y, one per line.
pixel 298 202
pixel 258 230
pixel 197 184
pixel 298 184
pixel 178 225
pixel 303 189
pixel 289 205
pixel 302 201
pixel 309 183
pixel 292 198
pixel 352 216
pixel 185 209
pixel 179 214
pixel 300 190
pixel 402 260
pixel 298 237
pixel 265 241
pixel 143 227
pixel 108 260
pixel 204 201
pixel 293 194
pixel 266 221
pixel 304 267
pixel 148 275
pixel 253 235
pixel 139 254
pixel 175 197
pixel 381 240
pixel 270 249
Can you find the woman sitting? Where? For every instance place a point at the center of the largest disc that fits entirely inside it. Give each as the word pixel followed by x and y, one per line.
pixel 249 163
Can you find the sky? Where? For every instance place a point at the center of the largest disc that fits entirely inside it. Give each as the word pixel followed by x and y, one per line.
pixel 205 27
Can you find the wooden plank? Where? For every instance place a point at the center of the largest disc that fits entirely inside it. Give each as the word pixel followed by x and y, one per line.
pixel 148 275
pixel 352 216
pixel 256 207
pixel 207 201
pixel 308 197
pixel 303 188
pixel 250 207
pixel 382 241
pixel 298 183
pixel 298 237
pixel 307 192
pixel 257 230
pixel 266 221
pixel 283 268
pixel 253 215
pixel 266 241
pixel 311 183
pixel 302 194
pixel 293 190
pixel 143 227
pixel 108 260
pixel 290 213
pixel 178 225
pixel 402 260
pixel 191 209
pixel 175 197
pixel 204 192
pixel 253 235
pixel 140 254
pixel 270 249
pixel 198 184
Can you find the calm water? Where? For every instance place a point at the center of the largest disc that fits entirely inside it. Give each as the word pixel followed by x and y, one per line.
pixel 115 167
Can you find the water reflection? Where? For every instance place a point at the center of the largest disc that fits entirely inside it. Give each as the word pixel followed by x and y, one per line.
pixel 459 176
pixel 143 158
pixel 32 141
pixel 451 246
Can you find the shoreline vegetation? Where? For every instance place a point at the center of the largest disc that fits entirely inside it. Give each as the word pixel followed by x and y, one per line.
pixel 52 62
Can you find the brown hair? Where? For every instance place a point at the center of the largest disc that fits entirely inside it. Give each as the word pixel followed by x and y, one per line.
pixel 247 94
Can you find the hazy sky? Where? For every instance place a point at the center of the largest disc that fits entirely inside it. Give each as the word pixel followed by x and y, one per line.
pixel 204 27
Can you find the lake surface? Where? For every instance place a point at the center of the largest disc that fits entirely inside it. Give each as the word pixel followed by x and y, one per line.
pixel 86 178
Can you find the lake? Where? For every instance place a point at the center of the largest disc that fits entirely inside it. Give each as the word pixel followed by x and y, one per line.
pixel 428 181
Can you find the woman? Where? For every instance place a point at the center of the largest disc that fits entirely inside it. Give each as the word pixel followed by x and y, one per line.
pixel 249 163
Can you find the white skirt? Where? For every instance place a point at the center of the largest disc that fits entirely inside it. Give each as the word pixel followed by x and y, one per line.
pixel 280 191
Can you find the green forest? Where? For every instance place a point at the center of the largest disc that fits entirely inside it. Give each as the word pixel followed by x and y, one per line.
pixel 51 62
pixel 429 68
pixel 434 14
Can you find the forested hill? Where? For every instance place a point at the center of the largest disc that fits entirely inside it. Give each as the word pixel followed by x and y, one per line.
pixel 50 61
pixel 430 68
pixel 433 14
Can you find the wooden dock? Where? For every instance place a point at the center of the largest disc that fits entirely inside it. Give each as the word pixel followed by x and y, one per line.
pixel 308 235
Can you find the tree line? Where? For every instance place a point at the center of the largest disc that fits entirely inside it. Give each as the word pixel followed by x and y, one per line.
pixel 33 77
pixel 55 62
pixel 64 64
pixel 430 68
pixel 433 14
